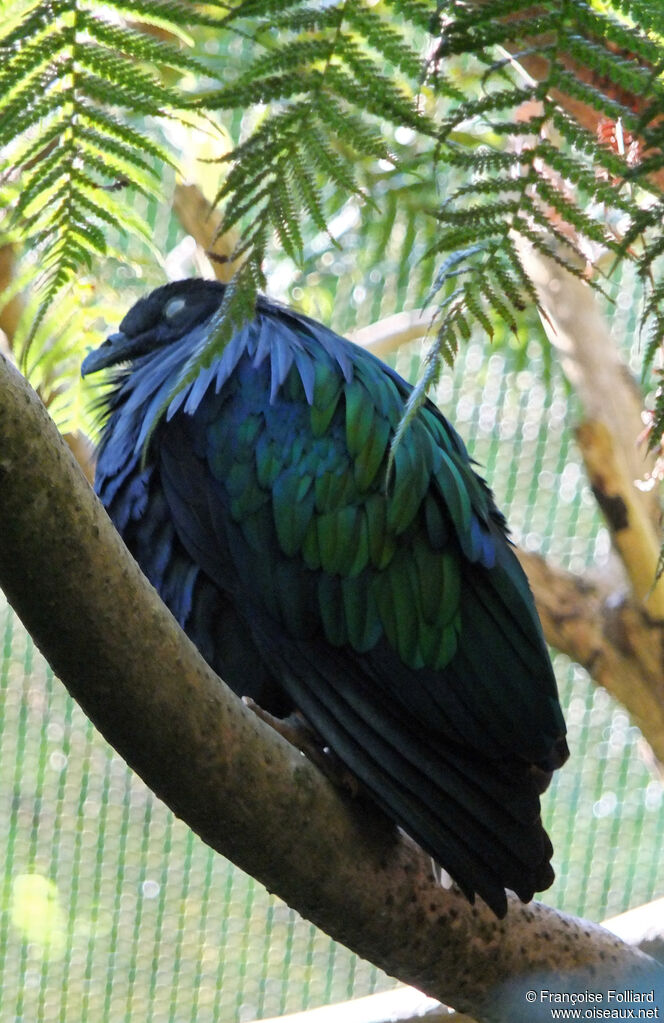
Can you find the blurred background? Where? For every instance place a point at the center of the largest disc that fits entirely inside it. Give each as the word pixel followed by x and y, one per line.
pixel 111 910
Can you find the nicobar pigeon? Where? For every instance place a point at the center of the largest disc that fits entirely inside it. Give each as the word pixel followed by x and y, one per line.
pixel 388 609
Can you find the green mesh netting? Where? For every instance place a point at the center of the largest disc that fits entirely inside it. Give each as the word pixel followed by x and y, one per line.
pixel 113 911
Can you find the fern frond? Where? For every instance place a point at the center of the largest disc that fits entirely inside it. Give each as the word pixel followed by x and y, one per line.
pixel 337 169
pixel 652 250
pixel 300 54
pixel 305 19
pixel 66 65
pixel 309 193
pixel 18 67
pixel 417 12
pixel 626 74
pixel 138 46
pixel 43 179
pixel 177 17
pixel 106 124
pixel 329 87
pixel 283 215
pixel 620 35
pixel 23 109
pixel 654 316
pixel 364 137
pixel 126 85
pixel 376 95
pixel 123 163
pixel 321 71
pixel 609 105
pixel 385 39
pixel 256 8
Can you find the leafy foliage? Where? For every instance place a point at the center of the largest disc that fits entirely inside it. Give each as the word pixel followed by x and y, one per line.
pixel 332 79
pixel 73 77
pixel 547 170
pixel 324 89
pixel 528 170
pixel 53 364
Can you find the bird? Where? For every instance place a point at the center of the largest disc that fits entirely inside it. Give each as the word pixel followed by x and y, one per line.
pixel 368 587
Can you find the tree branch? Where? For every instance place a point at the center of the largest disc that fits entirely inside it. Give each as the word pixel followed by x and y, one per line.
pixel 203 222
pixel 387 335
pixel 241 787
pixel 617 636
pixel 632 534
pixel 589 357
pixel 11 310
pixel 610 634
pixel 643 926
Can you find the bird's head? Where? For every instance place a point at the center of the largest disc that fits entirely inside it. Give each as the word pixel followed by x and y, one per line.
pixel 163 316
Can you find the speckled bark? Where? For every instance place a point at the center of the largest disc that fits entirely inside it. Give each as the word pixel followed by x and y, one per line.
pixel 242 788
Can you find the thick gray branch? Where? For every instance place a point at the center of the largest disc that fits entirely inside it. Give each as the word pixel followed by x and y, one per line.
pixel 241 787
pixel 643 926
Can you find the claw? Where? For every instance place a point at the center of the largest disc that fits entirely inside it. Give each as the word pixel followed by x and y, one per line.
pixel 299 733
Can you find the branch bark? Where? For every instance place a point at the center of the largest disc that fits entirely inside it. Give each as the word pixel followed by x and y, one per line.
pixel 241 787
pixel 615 632
pixel 589 357
pixel 203 222
pixel 10 311
pixel 632 534
pixel 643 926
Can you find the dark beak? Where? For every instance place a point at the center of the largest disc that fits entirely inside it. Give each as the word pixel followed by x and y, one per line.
pixel 116 348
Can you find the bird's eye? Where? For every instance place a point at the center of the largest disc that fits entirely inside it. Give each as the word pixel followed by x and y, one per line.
pixel 173 307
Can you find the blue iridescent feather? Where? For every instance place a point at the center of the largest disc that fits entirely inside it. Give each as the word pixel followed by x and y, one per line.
pixel 388 608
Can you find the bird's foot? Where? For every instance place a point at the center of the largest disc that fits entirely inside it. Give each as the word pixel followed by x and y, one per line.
pixel 299 733
pixel 295 729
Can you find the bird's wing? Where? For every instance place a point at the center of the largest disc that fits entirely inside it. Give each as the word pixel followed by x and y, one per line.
pixel 391 608
pixel 132 492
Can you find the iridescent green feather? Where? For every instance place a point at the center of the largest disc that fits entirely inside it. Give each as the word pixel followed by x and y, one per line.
pixel 373 454
pixel 386 553
pixel 382 544
pixel 360 415
pixel 269 461
pixel 293 504
pixel 331 608
pixel 452 489
pixel 411 482
pixel 327 391
pixel 360 611
pixel 401 580
pixel 335 488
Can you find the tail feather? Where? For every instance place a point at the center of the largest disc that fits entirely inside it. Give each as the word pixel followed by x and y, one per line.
pixel 460 808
